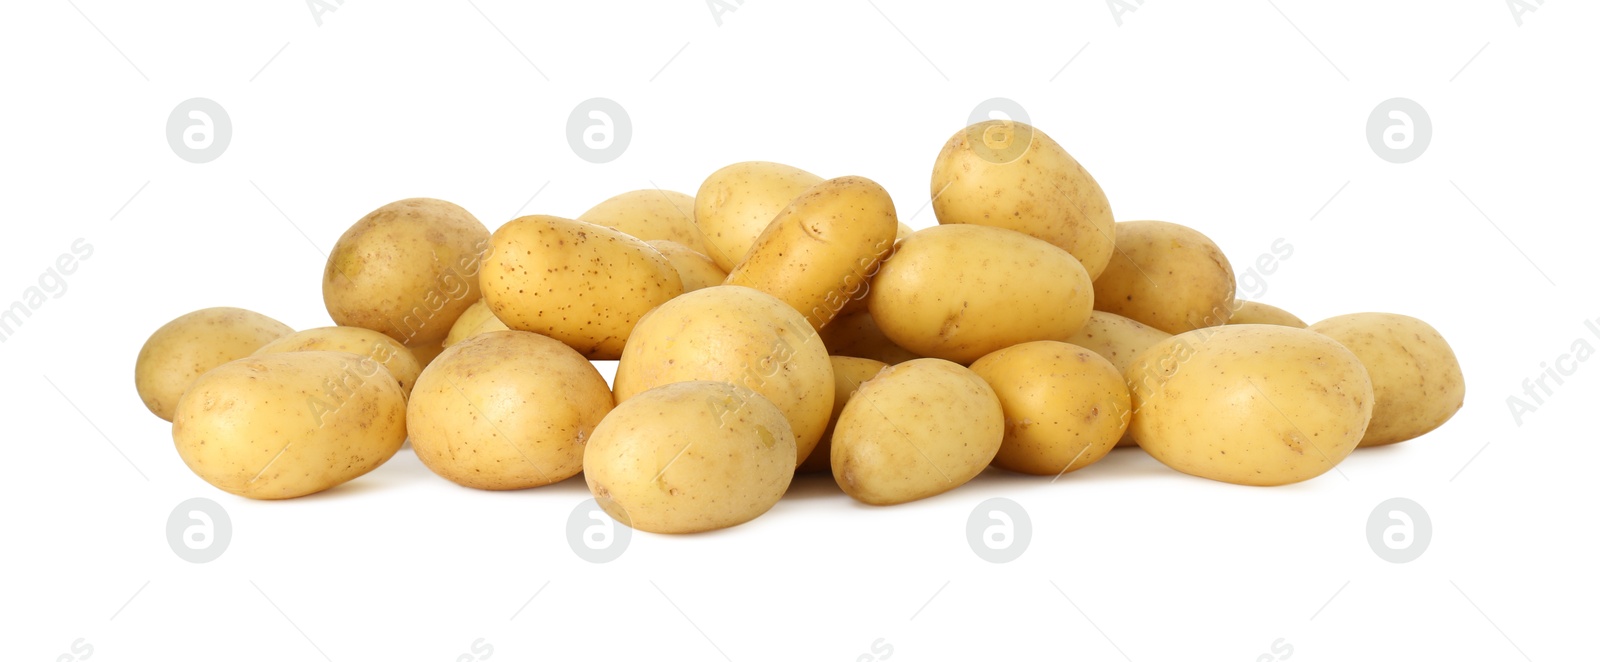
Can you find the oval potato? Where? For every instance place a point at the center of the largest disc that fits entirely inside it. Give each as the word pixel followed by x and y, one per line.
pixel 1255 312
pixel 650 214
pixel 477 319
pixel 367 343
pixel 1167 276
pixel 857 334
pixel 848 374
pixel 1065 406
pixel 695 269
pixel 185 348
pixel 737 203
pixel 1416 379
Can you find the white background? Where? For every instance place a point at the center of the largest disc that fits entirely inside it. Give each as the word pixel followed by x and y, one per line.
pixel 1225 117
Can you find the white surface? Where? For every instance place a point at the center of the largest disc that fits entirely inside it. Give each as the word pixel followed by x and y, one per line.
pixel 1222 118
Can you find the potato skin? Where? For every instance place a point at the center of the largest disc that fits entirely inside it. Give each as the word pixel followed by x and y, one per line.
pixel 506 410
pixel 1416 378
pixel 649 215
pixel 1065 406
pixel 857 334
pixel 1119 340
pixel 1041 191
pixel 695 269
pixel 741 336
pixel 185 348
pixel 577 282
pixel 917 429
pixel 279 426
pixel 819 253
pixel 387 351
pixel 957 292
pixel 689 457
pixel 1253 404
pixel 848 374
pixel 736 204
pixel 1167 276
pixel 1255 312
pixel 407 269
pixel 477 319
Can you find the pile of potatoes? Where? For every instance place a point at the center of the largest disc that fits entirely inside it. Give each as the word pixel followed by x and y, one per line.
pixel 778 322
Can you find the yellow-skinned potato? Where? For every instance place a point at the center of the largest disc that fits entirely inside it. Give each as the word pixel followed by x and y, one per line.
pixel 741 336
pixel 689 457
pixel 1415 375
pixel 848 374
pixel 1010 175
pixel 1252 404
pixel 1065 406
pixel 695 269
pixel 577 282
pixel 1167 276
pixel 1118 340
pixel 185 348
pixel 506 410
pixel 857 334
pixel 957 292
pixel 477 319
pixel 279 426
pixel 820 251
pixel 902 231
pixel 387 351
pixel 917 429
pixel 650 214
pixel 408 269
pixel 1255 312
pixel 427 353
pixel 737 203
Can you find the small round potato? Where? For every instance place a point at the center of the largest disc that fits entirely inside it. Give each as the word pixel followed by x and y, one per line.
pixel 957 292
pixel 280 426
pixel 506 410
pixel 577 282
pixel 408 269
pixel 689 457
pixel 695 269
pixel 737 203
pixel 650 214
pixel 1253 404
pixel 857 334
pixel 387 351
pixel 1065 406
pixel 917 429
pixel 1010 175
pixel 477 320
pixel 1255 312
pixel 848 374
pixel 1168 276
pixel 1415 375
pixel 185 348
pixel 741 336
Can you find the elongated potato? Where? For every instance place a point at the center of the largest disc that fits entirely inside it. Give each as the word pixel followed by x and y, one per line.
pixel 737 203
pixel 650 214
pixel 577 282
pixel 1167 276
pixel 379 347
pixel 185 348
pixel 695 269
pixel 1010 175
pixel 279 426
pixel 1255 312
pixel 957 292
pixel 1065 406
pixel 848 374
pixel 690 456
pixel 820 251
pixel 477 319
pixel 857 334
pixel 1415 375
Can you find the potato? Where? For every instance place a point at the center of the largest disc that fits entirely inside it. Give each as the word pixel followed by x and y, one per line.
pixel 1119 340
pixel 957 292
pixel 1065 406
pixel 857 334
pixel 1415 375
pixel 917 429
pixel 820 250
pixel 738 335
pixel 1010 175
pixel 185 348
pixel 650 214
pixel 367 343
pixel 427 353
pixel 902 231
pixel 737 203
pixel 690 456
pixel 1255 312
pixel 577 282
pixel 506 410
pixel 1252 404
pixel 279 426
pixel 1167 276
pixel 695 269
pixel 848 374
pixel 408 269
pixel 477 319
